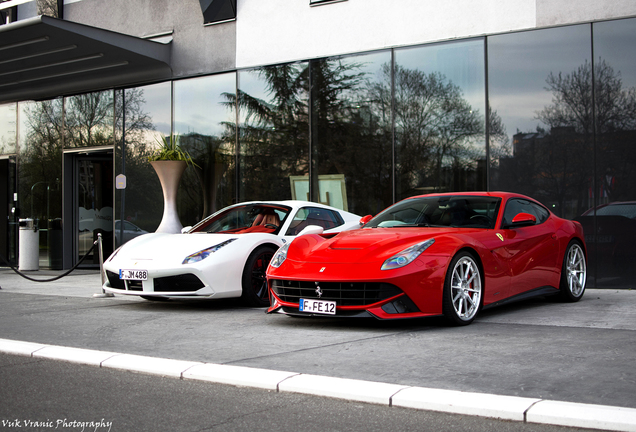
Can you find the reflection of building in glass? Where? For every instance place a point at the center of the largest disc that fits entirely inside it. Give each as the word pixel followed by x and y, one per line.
pixel 477 101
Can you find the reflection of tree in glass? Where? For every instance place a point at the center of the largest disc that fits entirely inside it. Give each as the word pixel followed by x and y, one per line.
pixel 438 131
pixel 210 178
pixel 351 132
pixel 41 160
pixel 89 119
pixel 144 202
pixel 558 161
pixel 273 132
pixel 435 131
pixel 615 107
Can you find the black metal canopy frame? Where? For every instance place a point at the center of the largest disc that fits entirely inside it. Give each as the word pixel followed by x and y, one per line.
pixel 44 57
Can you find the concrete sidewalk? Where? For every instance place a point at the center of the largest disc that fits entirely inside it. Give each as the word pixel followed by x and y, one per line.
pixel 607 311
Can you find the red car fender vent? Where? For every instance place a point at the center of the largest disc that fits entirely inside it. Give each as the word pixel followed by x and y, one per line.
pixel 400 305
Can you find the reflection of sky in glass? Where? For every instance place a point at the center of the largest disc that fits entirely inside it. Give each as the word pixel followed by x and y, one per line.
pixel 370 64
pixel 519 64
pixel 198 104
pixel 253 83
pixel 462 63
pixel 614 43
pixel 157 105
pixel 7 128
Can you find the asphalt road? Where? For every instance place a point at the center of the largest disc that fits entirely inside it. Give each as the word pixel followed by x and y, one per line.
pixel 581 352
pixel 47 395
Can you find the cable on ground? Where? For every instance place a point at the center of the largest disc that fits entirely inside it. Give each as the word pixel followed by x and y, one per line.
pixel 56 277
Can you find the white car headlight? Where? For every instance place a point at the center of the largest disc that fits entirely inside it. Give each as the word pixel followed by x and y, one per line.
pixel 280 256
pixel 203 254
pixel 407 255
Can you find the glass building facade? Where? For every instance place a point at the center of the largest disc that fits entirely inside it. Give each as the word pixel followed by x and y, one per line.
pixel 549 113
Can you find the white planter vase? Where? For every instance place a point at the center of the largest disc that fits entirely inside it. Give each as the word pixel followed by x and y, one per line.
pixel 169 173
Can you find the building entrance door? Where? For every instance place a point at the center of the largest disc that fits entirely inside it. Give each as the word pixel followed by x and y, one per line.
pixel 91 208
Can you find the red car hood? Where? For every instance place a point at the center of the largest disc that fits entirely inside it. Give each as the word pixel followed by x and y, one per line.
pixel 364 245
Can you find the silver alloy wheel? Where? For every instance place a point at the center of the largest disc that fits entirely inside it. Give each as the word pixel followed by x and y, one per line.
pixel 466 288
pixel 576 270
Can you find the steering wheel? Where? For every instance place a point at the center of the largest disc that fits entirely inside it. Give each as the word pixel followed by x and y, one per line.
pixel 269 225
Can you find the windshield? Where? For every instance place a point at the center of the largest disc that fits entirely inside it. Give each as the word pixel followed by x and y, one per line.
pixel 440 211
pixel 243 219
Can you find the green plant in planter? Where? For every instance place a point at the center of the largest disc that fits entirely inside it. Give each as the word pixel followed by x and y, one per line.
pixel 170 150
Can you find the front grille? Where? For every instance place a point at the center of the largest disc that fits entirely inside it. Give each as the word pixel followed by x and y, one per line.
pixel 180 283
pixel 114 281
pixel 343 293
pixel 135 285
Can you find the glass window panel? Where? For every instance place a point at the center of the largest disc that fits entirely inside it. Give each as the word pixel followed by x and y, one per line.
pixel 8 128
pixel 439 118
pixel 204 118
pixel 614 230
pixel 89 120
pixel 147 119
pixel 40 173
pixel 274 132
pixel 541 127
pixel 351 132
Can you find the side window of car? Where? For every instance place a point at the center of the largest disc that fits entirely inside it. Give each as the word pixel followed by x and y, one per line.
pixel 314 216
pixel 518 205
pixel 540 213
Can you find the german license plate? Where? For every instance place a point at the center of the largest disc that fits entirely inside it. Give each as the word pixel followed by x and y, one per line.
pixel 133 274
pixel 318 306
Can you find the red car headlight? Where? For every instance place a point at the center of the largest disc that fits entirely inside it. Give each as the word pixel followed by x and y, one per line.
pixel 407 255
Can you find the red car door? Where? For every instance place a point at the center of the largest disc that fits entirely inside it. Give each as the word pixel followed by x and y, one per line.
pixel 530 248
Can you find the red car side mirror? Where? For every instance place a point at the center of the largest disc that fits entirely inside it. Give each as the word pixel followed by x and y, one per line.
pixel 523 219
pixel 365 219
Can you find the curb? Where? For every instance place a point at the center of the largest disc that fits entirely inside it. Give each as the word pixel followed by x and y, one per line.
pixel 527 410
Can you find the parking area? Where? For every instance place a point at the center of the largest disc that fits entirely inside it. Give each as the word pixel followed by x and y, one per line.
pixel 582 352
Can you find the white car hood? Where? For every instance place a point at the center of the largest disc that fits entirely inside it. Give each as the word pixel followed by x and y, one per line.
pixel 170 248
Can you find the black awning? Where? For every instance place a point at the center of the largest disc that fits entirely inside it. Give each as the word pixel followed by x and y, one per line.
pixel 45 57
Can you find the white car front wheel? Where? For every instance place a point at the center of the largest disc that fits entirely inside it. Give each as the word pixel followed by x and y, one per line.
pixel 254 281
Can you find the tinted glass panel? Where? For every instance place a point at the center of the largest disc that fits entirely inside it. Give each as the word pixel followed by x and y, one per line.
pixel 541 121
pixel 613 231
pixel 204 119
pixel 440 122
pixel 147 119
pixel 274 132
pixel 89 120
pixel 40 173
pixel 351 132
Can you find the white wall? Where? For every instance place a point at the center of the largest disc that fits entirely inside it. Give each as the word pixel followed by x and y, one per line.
pixel 274 31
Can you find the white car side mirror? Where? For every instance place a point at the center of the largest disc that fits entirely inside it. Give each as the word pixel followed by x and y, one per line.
pixel 311 229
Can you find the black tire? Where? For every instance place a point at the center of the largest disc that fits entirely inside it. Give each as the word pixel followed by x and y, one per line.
pixel 254 282
pixel 462 296
pixel 573 273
